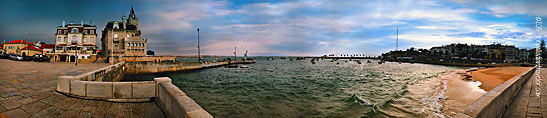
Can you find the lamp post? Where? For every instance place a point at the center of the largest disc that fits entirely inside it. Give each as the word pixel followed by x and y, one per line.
pixel 77 55
pixel 199 56
pixel 235 55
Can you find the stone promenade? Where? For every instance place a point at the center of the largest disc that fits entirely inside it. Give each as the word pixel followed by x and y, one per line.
pixel 27 90
pixel 526 104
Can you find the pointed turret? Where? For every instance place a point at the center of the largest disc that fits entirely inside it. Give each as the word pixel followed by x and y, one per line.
pixel 132 13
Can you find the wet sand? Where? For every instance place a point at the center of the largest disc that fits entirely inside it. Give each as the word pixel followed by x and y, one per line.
pixel 460 92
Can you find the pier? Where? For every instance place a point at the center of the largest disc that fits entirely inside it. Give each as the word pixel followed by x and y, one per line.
pixel 151 67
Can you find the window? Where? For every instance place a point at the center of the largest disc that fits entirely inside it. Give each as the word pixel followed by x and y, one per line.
pixel 74 30
pixel 74 39
pixel 66 40
pixel 116 35
pixel 92 32
pixel 59 31
pixel 58 48
pixel 64 32
pixel 85 31
pixel 128 45
pixel 116 25
pixel 127 35
pixel 92 39
pixel 85 40
pixel 58 39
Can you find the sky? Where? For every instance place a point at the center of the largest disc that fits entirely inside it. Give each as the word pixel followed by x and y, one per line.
pixel 294 27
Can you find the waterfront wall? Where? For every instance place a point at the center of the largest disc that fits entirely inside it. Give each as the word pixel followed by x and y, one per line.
pixel 144 58
pixel 152 67
pixel 496 101
pixel 175 102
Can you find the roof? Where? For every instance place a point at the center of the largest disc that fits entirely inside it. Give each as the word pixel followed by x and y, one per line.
pixel 128 26
pixel 19 41
pixel 28 47
pixel 47 46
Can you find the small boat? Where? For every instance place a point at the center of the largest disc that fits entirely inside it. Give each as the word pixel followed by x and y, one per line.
pixel 283 57
pixel 243 66
pixel 368 61
pixel 292 59
pixel 358 62
pixel 231 66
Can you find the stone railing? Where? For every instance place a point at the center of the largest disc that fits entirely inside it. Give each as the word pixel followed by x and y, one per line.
pixel 496 101
pixel 109 73
pixel 175 102
pixel 170 98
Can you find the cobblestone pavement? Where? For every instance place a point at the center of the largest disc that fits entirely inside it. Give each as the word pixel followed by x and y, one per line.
pixel 526 104
pixel 27 90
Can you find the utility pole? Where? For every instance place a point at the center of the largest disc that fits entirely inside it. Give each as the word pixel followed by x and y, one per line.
pixel 235 55
pixel 199 55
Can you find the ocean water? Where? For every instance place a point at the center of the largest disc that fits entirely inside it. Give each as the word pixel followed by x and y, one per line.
pixel 281 88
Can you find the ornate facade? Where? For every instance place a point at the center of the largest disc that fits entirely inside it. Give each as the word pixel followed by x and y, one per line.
pixel 123 38
pixel 75 41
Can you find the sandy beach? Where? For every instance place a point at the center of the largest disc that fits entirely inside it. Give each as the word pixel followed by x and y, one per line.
pixel 492 77
pixel 466 85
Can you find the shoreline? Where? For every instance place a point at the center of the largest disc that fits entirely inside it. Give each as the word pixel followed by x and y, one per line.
pixel 464 86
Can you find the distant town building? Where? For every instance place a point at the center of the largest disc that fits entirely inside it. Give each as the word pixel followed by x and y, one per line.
pixel 21 47
pixel 2 51
pixel 466 53
pixel 75 41
pixel 47 49
pixel 123 38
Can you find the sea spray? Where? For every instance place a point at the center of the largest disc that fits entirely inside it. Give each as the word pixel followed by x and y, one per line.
pixel 432 106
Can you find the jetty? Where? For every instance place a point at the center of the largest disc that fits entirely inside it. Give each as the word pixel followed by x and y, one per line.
pixel 152 67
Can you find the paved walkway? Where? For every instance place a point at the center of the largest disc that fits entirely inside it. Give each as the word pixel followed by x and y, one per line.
pixel 27 90
pixel 526 104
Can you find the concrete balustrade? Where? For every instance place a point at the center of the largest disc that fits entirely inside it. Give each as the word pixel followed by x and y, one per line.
pixel 494 103
pixel 173 101
pixel 176 102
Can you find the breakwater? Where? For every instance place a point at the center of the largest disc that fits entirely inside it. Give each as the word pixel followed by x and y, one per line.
pixel 152 67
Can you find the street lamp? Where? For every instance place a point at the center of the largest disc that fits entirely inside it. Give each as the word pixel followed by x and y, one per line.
pixel 199 56
pixel 235 57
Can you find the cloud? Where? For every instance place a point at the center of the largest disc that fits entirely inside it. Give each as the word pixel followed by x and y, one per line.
pixel 471 34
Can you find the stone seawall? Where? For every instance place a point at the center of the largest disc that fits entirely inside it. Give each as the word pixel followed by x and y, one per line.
pixel 494 103
pixel 152 67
